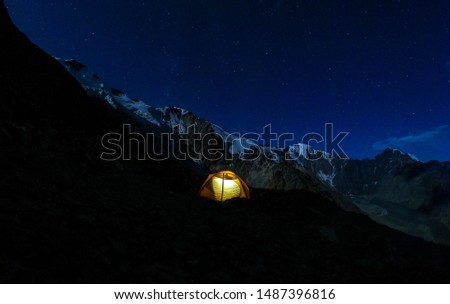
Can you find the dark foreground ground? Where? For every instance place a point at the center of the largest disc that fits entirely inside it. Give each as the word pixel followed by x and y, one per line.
pixel 63 220
pixel 67 217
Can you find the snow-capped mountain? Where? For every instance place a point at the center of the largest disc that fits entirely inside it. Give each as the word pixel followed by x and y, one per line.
pixel 394 188
pixel 269 172
pixel 94 86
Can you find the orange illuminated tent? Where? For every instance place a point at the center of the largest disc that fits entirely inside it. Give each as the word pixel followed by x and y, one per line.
pixel 224 185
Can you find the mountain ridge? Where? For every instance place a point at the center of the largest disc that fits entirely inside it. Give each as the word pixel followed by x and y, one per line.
pixel 350 182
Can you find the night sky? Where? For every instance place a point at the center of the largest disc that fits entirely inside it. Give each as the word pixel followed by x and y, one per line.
pixel 379 70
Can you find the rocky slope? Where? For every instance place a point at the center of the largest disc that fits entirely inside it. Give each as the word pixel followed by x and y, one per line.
pixel 395 189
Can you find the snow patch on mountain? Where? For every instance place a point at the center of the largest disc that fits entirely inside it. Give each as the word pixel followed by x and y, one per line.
pixel 327 178
pixel 94 86
pixel 300 149
pixel 237 144
pixel 413 157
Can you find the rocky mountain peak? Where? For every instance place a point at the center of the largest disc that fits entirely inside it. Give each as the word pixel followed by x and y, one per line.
pixel 390 155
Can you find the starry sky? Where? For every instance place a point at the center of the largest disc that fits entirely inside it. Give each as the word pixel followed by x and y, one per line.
pixel 379 70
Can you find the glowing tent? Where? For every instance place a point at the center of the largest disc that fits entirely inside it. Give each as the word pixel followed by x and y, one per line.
pixel 224 185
